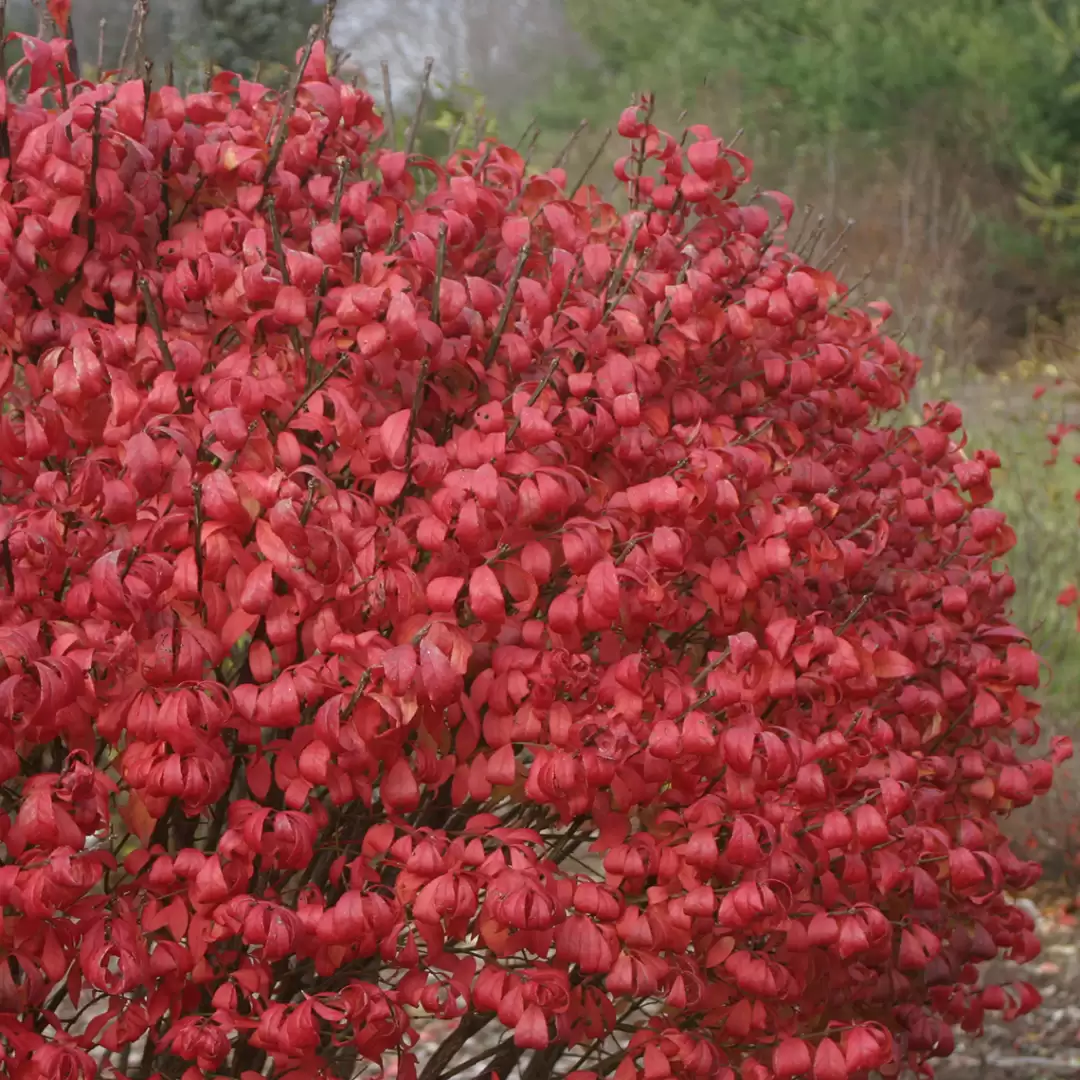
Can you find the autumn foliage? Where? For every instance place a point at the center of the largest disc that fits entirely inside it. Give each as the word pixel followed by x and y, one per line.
pixel 453 627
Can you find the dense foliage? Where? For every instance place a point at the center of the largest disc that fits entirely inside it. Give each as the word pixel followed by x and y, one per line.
pixel 430 596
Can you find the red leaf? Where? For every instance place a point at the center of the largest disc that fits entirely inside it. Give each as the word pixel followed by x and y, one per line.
pixel 1061 748
pixel 486 596
pixel 441 681
pixel 602 588
pixel 531 1031
pixel 779 636
pixel 949 508
pixel 866 1048
pixel 743 848
pixel 399 791
pixel 791 1058
pixel 704 156
pixel 889 664
pixel 290 307
pixel 515 233
pixel 597 261
pixel 870 826
pixel 442 592
pixel 829 1063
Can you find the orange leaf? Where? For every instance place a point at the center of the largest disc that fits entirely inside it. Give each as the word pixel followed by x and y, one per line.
pixel 60 13
pixel 137 818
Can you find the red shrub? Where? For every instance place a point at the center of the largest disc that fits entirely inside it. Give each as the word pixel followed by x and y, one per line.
pixel 381 537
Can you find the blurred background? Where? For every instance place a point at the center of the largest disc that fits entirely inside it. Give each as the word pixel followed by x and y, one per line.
pixel 933 147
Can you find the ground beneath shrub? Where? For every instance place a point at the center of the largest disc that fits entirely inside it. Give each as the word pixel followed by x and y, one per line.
pixel 1045 1045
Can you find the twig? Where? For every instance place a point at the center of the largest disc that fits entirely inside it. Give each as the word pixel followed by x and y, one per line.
pixel 816 233
pixel 464 1066
pixel 455 136
pixel 542 1063
pixel 508 303
pixel 287 109
pixel 796 243
pixel 831 250
pixel 414 130
pixel 327 21
pixel 95 156
pixel 414 413
pixel 534 397
pixel 324 281
pixel 564 153
pixel 388 104
pixel 619 270
pixel 640 153
pixel 466 1029
pixel 279 249
pixel 480 129
pixel 854 613
pixel 73 50
pixel 196 489
pixel 571 278
pixel 275 234
pixel 309 394
pixel 532 146
pixel 122 65
pixel 525 134
pixel 100 47
pixel 592 163
pixel 155 322
pixel 709 668
pixel 665 311
pixel 142 9
pixel 440 267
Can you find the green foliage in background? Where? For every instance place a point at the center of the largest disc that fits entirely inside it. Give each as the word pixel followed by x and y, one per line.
pixel 982 77
pixel 246 36
pixel 454 116
pixel 1051 195
pixel 973 66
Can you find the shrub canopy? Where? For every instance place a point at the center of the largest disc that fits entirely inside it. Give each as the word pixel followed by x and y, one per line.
pixel 429 596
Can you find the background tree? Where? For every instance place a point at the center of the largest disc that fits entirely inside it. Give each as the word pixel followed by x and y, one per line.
pixel 1051 193
pixel 246 35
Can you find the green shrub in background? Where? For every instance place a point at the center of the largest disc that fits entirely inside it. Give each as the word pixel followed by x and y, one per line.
pixel 457 114
pixel 1051 193
pixel 249 36
pixel 975 66
pixel 981 77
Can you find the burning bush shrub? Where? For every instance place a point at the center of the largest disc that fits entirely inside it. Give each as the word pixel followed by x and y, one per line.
pixel 431 596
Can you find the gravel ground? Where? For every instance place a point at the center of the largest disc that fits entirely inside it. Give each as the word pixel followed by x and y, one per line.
pixel 1045 1044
